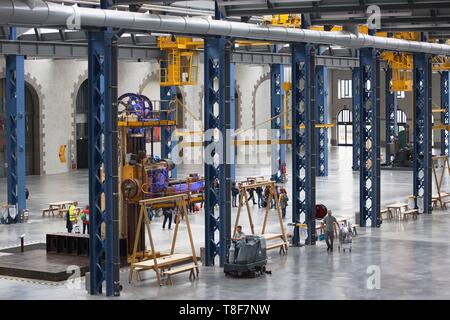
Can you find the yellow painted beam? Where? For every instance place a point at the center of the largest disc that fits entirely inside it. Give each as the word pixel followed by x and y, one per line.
pixel 441 127
pixel 188 133
pixel 438 110
pixel 318 126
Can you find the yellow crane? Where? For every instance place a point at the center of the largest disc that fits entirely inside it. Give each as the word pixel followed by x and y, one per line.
pixel 179 66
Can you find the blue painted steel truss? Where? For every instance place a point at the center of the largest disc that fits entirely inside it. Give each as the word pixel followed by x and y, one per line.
pixel 391 115
pixel 277 125
pixel 422 131
pixel 303 140
pixel 102 123
pixel 370 136
pixel 445 102
pixel 168 94
pixel 322 118
pixel 217 125
pixel 15 130
pixel 356 117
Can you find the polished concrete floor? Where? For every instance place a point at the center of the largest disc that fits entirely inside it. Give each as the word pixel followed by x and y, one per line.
pixel 400 260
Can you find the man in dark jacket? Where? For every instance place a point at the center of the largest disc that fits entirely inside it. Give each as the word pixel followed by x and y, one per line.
pixel 259 192
pixel 234 193
pixel 251 193
pixel 168 213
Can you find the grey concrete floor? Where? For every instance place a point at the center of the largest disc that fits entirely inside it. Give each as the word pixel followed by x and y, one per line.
pixel 412 257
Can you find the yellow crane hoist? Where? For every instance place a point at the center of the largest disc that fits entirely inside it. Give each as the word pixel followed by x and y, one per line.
pixel 284 20
pixel 402 63
pixel 179 66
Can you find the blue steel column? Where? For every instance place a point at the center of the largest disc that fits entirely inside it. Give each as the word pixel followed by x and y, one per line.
pixel 102 126
pixel 422 130
pixel 277 126
pixel 445 102
pixel 322 118
pixel 303 140
pixel 15 129
pixel 370 136
pixel 218 73
pixel 168 94
pixel 232 122
pixel 356 117
pixel 391 114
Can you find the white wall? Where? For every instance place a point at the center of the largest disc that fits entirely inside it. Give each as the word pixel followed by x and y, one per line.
pixel 57 81
pixel 406 104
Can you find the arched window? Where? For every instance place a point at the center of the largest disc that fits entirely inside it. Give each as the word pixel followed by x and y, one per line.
pixel 81 121
pixel 401 120
pixel 345 128
pixel 32 130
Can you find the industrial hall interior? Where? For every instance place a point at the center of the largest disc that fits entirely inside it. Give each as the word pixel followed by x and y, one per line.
pixel 224 149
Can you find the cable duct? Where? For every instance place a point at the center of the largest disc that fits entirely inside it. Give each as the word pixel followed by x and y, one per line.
pixel 38 13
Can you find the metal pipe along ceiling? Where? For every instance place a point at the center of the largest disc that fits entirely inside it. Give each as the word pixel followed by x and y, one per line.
pixel 37 13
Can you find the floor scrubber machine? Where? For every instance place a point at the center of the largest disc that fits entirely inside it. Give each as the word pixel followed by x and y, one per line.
pixel 247 257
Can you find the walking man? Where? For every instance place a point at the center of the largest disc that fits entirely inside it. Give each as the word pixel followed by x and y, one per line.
pixel 234 193
pixel 283 202
pixel 329 222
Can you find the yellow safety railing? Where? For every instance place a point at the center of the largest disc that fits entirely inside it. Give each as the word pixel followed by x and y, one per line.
pixel 180 66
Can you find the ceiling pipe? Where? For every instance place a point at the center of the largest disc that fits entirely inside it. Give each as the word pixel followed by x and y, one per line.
pixel 37 13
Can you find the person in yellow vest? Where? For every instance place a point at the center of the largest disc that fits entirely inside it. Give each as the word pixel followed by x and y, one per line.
pixel 70 217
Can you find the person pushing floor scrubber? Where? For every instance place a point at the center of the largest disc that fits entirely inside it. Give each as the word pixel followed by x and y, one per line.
pixel 247 256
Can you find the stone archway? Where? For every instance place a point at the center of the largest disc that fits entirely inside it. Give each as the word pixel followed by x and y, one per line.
pixel 73 144
pixel 237 104
pixel 35 137
pixel 261 80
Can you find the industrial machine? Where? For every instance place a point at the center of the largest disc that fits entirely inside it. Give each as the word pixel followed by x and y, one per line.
pixel 143 175
pixel 247 257
pixel 400 151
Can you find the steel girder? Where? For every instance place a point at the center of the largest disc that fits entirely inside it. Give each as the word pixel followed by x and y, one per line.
pixel 422 130
pixel 102 123
pixel 15 130
pixel 217 125
pixel 168 94
pixel 369 98
pixel 303 140
pixel 445 102
pixel 277 125
pixel 391 114
pixel 322 118
pixel 356 117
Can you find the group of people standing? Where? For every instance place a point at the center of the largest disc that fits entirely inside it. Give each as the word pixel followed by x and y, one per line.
pixel 71 218
pixel 263 196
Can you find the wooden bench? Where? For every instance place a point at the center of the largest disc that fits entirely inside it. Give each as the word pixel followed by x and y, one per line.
pixel 191 267
pixel 47 210
pixel 434 203
pixel 274 236
pixel 281 245
pixel 271 236
pixel 388 214
pixel 412 212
